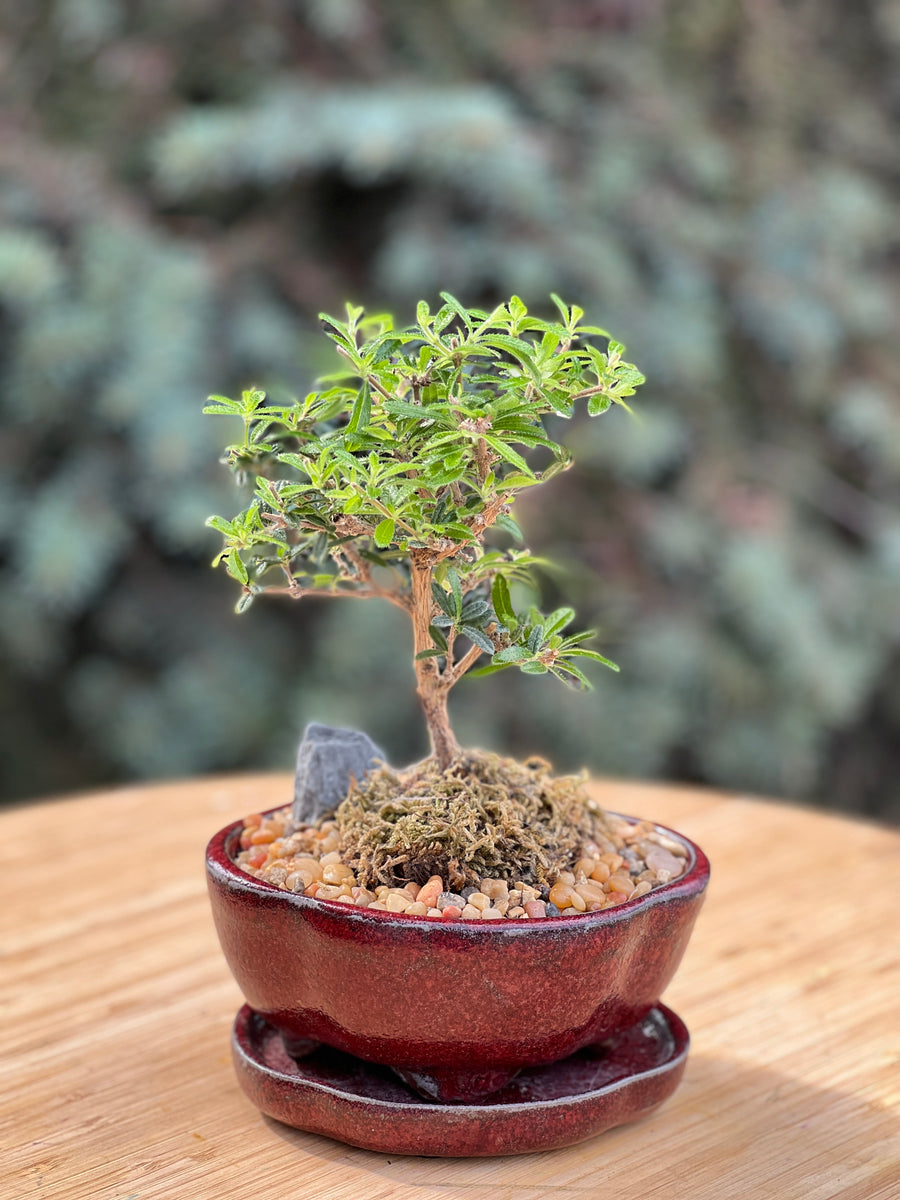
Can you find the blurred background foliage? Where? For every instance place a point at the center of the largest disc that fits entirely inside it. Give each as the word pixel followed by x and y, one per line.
pixel 183 185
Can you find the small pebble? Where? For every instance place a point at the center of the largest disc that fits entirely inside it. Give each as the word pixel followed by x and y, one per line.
pixel 536 908
pixel 453 898
pixel 470 912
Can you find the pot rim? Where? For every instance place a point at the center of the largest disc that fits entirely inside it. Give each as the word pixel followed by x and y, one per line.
pixel 222 868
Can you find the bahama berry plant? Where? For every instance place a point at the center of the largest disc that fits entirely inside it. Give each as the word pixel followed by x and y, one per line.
pixel 392 480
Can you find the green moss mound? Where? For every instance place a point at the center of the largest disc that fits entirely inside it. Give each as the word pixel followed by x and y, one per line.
pixel 485 816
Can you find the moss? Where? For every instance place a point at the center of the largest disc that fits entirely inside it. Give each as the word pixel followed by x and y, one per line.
pixel 485 816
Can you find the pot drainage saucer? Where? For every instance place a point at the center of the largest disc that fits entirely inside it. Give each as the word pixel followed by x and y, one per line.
pixel 543 1108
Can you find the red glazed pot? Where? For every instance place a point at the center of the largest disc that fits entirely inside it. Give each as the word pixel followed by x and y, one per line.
pixel 455 1007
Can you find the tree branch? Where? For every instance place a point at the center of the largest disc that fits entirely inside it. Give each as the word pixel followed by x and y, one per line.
pixel 468 660
pixel 373 591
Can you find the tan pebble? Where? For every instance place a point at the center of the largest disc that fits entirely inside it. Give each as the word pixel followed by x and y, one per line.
pixel 361 893
pixel 561 894
pixel 332 857
pixel 491 914
pixel 516 911
pixel 399 892
pixel 495 889
pixel 621 883
pixel 601 871
pixel 326 891
pixel 470 912
pixel 297 881
pixel 381 891
pixel 615 898
pixel 659 859
pixel 276 875
pixel 417 909
pixel 578 902
pixel 613 861
pixel 567 876
pixel 501 906
pixel 336 872
pixel 642 888
pixel 412 890
pixel 584 866
pixel 331 843
pixel 378 905
pixel 515 897
pixel 430 891
pixel 663 876
pixel 479 900
pixel 530 893
pixel 590 893
pixel 647 877
pixel 434 912
pixel 669 844
pixel 311 866
pixel 345 899
pixel 397 903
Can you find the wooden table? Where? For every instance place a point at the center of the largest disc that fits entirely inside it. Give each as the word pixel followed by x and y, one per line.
pixel 117 1005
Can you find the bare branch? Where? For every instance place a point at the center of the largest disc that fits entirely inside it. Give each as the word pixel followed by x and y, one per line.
pixel 468 660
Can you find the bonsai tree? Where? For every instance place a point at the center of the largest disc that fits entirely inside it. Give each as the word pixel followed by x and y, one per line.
pixel 388 482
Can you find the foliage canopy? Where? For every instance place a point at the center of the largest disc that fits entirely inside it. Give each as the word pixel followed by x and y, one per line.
pixel 387 481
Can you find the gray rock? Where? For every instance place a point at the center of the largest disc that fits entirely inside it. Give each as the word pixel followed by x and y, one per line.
pixel 326 759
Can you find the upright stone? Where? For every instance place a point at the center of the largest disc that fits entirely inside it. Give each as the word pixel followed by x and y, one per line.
pixel 326 759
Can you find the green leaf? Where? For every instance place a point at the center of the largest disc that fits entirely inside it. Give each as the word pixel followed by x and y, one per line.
pixel 506 452
pixel 512 654
pixel 478 637
pixel 505 521
pixel 502 602
pixel 455 591
pixel 384 533
pixel 453 303
pixel 223 526
pixel 534 668
pixel 558 620
pixel 431 653
pixel 594 656
pixel 362 410
pixel 438 638
pixel 442 599
pixel 234 564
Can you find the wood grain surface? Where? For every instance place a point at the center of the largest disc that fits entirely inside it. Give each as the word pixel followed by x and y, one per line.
pixel 117 1005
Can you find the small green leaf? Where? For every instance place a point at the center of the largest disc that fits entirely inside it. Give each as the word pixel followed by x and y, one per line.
pixel 503 602
pixel 593 656
pixel 512 654
pixel 438 638
pixel 433 652
pixel 455 591
pixel 478 637
pixel 234 564
pixel 224 527
pixel 505 521
pixel 384 533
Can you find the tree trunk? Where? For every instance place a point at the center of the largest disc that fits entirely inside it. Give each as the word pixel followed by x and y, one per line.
pixel 431 689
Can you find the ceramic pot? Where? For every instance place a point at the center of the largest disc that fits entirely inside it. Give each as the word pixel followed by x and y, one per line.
pixel 456 1008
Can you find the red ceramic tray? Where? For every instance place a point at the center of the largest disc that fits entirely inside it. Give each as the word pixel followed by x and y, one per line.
pixel 543 1108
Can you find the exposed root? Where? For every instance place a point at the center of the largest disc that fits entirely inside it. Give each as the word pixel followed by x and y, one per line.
pixel 485 816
